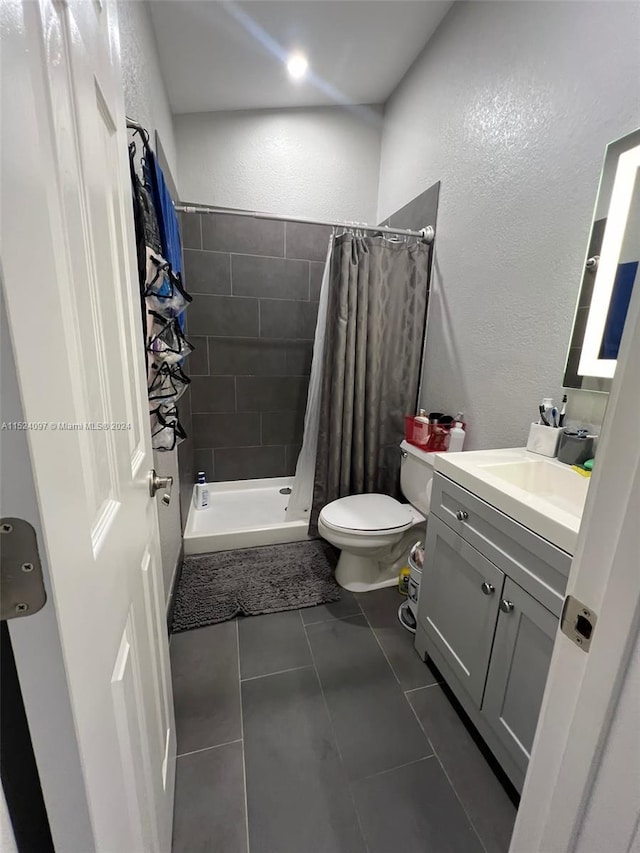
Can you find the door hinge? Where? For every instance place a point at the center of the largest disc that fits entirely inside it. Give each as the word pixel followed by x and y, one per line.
pixel 578 622
pixel 21 585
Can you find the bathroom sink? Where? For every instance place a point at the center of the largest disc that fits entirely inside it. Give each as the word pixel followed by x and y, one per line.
pixel 542 494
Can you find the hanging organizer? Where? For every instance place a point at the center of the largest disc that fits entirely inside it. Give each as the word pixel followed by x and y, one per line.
pixel 162 295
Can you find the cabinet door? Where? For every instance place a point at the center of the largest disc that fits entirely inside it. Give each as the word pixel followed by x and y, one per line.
pixel 518 672
pixel 458 606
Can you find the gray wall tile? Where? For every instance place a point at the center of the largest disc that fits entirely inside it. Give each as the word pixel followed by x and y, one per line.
pixel 226 430
pixel 199 359
pixel 209 811
pixel 213 394
pixel 202 461
pixel 190 231
pixel 248 463
pixel 288 319
pixel 278 427
pixel 299 355
pixel 273 277
pixel 247 357
pixel 224 316
pixel 316 271
pixel 292 451
pixel 223 233
pixel 207 272
pixel 271 393
pixel 307 241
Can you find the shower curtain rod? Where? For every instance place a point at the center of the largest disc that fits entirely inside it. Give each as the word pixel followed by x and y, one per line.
pixel 427 233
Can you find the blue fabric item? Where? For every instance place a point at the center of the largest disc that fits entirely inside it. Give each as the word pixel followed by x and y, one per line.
pixel 166 215
pixel 618 307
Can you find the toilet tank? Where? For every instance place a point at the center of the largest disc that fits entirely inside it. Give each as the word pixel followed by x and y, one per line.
pixel 416 473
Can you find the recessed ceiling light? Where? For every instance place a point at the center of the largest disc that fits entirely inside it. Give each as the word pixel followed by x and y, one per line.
pixel 297 65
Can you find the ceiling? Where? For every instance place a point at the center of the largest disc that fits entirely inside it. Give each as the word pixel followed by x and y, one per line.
pixel 231 56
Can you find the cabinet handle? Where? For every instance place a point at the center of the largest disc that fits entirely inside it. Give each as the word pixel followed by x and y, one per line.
pixel 488 588
pixel 462 515
pixel 506 606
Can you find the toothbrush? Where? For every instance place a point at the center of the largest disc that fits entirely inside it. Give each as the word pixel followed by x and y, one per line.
pixel 543 417
pixel 554 417
pixel 563 411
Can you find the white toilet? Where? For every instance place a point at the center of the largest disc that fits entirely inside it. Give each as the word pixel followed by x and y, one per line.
pixel 375 532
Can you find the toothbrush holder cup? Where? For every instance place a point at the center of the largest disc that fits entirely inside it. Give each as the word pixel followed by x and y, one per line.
pixel 544 440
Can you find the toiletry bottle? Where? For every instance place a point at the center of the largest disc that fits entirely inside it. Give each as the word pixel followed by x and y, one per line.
pixel 456 438
pixel 201 492
pixel 421 427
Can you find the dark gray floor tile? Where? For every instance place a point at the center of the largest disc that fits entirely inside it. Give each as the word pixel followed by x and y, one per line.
pixel 413 809
pixel 198 364
pixel 285 318
pixel 248 463
pixel 299 355
pixel 485 800
pixel 375 727
pixel 190 231
pixel 213 394
pixel 307 241
pixel 226 430
pixel 223 233
pixel 224 316
pixel 347 606
pixel 207 272
pixel 247 357
pixel 272 393
pixel 204 664
pixel 202 461
pixel 283 427
pixel 209 812
pixel 316 272
pixel 297 793
pixel 272 642
pixel 381 609
pixel 278 278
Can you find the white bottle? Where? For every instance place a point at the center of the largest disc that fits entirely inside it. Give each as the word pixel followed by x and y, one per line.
pixel 456 438
pixel 201 492
pixel 421 427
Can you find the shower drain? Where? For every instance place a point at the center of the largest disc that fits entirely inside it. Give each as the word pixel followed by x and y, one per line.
pixel 285 491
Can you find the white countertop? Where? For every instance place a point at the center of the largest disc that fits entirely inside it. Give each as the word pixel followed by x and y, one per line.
pixel 542 494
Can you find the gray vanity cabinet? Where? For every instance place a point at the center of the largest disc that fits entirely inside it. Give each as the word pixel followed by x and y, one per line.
pixel 520 659
pixel 463 590
pixel 488 613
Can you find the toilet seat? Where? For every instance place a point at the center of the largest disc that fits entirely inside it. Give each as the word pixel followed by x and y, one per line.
pixel 368 514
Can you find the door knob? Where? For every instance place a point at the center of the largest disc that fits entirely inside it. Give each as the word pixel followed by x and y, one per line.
pixel 506 606
pixel 461 515
pixel 156 483
pixel 488 588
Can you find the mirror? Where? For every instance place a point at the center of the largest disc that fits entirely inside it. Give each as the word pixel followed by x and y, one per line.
pixel 610 271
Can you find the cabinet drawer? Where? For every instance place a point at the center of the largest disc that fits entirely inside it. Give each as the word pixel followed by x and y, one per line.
pixel 458 605
pixel 535 564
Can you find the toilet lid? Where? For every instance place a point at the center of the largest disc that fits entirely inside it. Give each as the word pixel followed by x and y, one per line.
pixel 367 512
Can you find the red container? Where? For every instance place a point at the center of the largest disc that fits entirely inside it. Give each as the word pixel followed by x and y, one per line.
pixel 437 434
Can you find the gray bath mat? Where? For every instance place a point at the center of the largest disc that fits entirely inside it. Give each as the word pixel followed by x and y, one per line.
pixel 216 587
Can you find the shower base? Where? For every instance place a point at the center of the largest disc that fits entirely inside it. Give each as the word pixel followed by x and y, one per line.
pixel 243 514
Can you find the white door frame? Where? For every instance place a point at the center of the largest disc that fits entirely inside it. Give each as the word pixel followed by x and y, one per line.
pixel 588 697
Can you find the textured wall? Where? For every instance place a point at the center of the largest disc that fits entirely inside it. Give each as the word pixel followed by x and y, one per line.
pixel 511 107
pixel 320 163
pixel 145 96
pixel 146 101
pixel 255 287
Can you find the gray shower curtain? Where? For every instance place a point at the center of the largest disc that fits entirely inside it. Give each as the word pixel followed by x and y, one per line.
pixel 373 349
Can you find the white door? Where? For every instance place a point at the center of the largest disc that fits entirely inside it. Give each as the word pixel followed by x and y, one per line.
pixel 68 265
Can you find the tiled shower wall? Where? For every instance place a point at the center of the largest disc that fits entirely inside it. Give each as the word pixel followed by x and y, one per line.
pixel 255 287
